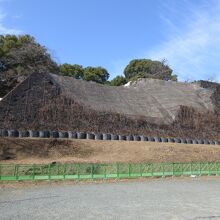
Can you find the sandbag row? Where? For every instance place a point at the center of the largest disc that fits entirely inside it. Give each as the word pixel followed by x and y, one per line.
pixel 99 136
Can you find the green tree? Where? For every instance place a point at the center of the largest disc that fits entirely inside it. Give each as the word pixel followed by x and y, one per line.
pixel 19 57
pixel 146 68
pixel 75 70
pixel 118 81
pixel 96 74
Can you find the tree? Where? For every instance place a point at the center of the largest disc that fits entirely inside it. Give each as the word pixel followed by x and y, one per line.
pixel 19 57
pixel 75 70
pixel 146 68
pixel 96 74
pixel 118 81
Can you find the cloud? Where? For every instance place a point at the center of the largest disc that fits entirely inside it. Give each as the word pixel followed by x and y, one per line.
pixel 193 48
pixel 3 28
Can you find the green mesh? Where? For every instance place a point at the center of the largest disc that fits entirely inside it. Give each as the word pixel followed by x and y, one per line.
pixel 95 171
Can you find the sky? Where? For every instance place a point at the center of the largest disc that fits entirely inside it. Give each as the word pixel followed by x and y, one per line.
pixel 111 33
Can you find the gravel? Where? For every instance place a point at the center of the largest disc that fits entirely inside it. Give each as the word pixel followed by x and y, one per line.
pixel 188 198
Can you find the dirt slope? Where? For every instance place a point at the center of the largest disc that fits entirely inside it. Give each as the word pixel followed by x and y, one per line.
pixel 148 107
pixel 72 151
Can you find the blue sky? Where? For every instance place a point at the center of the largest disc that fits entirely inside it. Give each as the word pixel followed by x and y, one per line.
pixel 110 33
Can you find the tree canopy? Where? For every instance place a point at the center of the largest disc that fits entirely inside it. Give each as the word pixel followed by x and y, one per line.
pixel 22 55
pixel 118 81
pixel 74 70
pixel 146 68
pixel 19 57
pixel 96 74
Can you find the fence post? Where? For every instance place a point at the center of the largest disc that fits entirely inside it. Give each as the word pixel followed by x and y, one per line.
pixel 15 171
pixel 191 168
pixel 49 171
pixel 140 167
pixel 209 168
pixel 129 169
pixel 200 169
pixel 16 168
pixel 117 167
pixel 78 167
pixel 218 170
pixel 64 171
pixel 105 170
pixel 163 169
pixel 182 168
pixel 92 169
pixel 33 171
pixel 58 169
pixel 173 168
pixel 152 169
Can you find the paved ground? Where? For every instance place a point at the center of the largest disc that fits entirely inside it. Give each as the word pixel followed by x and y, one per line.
pixel 149 199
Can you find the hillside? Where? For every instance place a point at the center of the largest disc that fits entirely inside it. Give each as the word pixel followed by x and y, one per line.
pixel 155 100
pixel 37 151
pixel 148 106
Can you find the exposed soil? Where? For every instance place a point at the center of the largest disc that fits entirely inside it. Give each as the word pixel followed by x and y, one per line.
pixel 29 151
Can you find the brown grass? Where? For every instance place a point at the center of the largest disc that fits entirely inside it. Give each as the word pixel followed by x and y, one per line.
pixel 28 151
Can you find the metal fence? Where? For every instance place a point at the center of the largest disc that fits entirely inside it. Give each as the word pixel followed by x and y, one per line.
pixel 104 171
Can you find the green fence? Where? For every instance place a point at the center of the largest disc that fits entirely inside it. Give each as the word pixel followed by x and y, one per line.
pixel 104 171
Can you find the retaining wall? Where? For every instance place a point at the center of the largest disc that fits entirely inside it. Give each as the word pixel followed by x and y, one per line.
pixel 99 136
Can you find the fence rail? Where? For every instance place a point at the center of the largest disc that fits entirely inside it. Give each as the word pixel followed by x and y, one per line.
pixel 104 171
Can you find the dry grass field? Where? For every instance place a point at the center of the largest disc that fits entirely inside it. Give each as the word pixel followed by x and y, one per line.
pixel 28 151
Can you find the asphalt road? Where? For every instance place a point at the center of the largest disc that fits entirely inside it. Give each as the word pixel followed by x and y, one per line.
pixel 149 199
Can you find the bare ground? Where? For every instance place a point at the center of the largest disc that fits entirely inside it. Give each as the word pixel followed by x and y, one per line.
pixel 26 151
